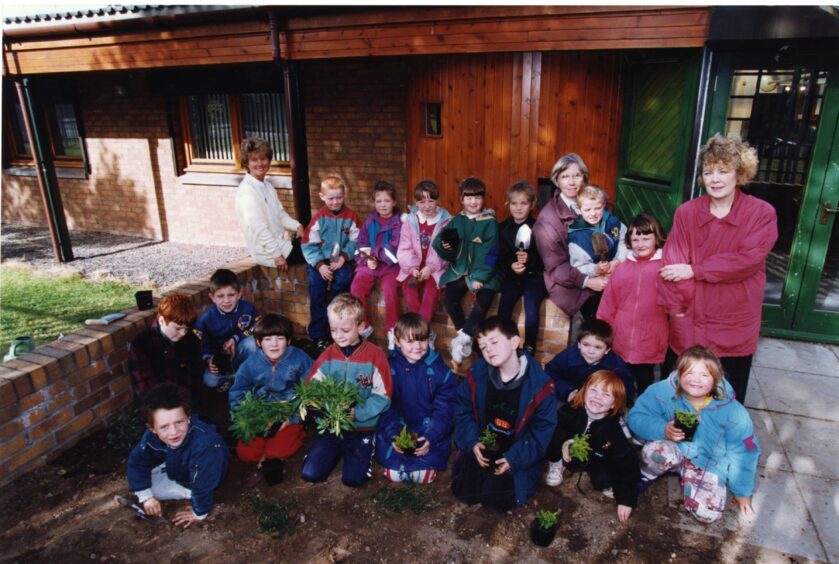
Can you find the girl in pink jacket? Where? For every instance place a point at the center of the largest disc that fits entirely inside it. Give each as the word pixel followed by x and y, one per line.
pixel 629 302
pixel 420 267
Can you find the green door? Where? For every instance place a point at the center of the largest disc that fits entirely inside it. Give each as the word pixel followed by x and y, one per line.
pixel 789 111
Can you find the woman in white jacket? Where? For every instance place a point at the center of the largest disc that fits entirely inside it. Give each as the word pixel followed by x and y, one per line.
pixel 262 218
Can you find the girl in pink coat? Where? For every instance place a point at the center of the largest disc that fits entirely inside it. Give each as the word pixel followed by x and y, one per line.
pixel 713 280
pixel 629 302
pixel 420 267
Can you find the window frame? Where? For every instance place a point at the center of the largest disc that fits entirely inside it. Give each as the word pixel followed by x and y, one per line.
pixel 195 164
pixel 17 156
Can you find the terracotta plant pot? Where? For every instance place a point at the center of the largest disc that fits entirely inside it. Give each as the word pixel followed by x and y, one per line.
pixel 272 471
pixel 541 536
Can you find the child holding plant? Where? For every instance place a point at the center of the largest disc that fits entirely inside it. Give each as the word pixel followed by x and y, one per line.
pixel 630 296
pixel 424 391
pixel 357 361
pixel 377 243
pixel 506 394
pixel 271 374
pixel 589 435
pixel 724 451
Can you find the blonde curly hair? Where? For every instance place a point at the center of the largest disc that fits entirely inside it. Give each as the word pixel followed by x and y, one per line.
pixel 732 153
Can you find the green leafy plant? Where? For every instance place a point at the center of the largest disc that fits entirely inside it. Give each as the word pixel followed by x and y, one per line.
pixel 126 430
pixel 405 440
pixel 488 438
pixel 686 418
pixel 254 416
pixel 274 518
pixel 580 448
pixel 414 498
pixel 547 519
pixel 333 400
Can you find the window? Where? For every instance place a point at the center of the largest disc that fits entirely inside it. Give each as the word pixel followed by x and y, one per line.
pixel 433 117
pixel 61 127
pixel 216 124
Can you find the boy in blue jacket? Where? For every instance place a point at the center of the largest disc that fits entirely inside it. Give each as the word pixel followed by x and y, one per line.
pixel 178 457
pixel 592 352
pixel 424 391
pixel 226 328
pixel 507 394
pixel 271 374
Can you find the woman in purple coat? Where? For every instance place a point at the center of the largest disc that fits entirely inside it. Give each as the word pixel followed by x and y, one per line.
pixel 569 288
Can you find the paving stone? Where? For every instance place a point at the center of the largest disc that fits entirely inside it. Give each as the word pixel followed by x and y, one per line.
pixel 797 356
pixel 799 393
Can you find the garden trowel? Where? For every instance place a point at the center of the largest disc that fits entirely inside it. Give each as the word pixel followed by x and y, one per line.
pixel 523 236
pixel 139 511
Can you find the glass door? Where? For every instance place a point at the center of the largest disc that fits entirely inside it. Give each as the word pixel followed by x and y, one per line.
pixel 788 112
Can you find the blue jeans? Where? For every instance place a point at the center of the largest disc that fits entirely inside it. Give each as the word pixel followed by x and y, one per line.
pixel 244 349
pixel 319 298
pixel 357 450
pixel 532 286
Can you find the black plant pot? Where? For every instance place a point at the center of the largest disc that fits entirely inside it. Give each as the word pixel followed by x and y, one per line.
pixel 492 454
pixel 144 299
pixel 688 431
pixel 222 362
pixel 541 536
pixel 272 471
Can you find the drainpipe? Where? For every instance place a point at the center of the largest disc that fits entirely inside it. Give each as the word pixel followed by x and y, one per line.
pixel 45 172
pixel 298 157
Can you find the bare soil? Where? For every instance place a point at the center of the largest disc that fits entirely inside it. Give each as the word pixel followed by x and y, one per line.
pixel 65 512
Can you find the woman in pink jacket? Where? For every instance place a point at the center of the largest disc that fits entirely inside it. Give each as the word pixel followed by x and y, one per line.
pixel 569 288
pixel 630 305
pixel 713 282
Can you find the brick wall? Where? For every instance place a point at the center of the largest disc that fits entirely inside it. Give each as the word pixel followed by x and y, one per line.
pixel 355 126
pixel 58 394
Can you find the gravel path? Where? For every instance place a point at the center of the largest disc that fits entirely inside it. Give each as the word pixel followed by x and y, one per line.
pixel 145 262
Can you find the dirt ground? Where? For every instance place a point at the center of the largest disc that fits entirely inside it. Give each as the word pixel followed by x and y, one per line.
pixel 65 512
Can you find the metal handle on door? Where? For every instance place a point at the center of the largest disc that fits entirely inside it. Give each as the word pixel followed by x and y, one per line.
pixel 826 210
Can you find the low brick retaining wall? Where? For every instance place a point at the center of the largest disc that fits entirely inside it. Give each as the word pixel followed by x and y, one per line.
pixel 58 394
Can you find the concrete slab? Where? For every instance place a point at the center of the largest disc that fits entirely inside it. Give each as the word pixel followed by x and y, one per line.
pixel 822 498
pixel 772 455
pixel 780 523
pixel 811 445
pixel 798 393
pixel 797 356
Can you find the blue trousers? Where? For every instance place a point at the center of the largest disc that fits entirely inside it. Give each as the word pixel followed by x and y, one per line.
pixel 319 298
pixel 532 287
pixel 357 450
pixel 244 349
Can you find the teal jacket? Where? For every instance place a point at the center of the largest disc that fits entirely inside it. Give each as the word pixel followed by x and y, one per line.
pixel 477 253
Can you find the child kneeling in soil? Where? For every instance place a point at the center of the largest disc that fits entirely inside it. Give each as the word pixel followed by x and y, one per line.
pixel 350 358
pixel 424 391
pixel 505 397
pixel 723 452
pixel 178 457
pixel 610 461
pixel 271 375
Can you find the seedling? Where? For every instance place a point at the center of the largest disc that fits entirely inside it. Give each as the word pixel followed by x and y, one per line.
pixel 580 448
pixel 405 441
pixel 126 430
pixel 255 417
pixel 686 418
pixel 488 438
pixel 547 519
pixel 332 399
pixel 416 499
pixel 274 517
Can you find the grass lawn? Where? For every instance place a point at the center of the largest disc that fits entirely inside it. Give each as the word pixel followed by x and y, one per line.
pixel 45 304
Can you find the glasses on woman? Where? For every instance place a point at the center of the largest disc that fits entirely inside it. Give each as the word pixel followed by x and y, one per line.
pixel 575 176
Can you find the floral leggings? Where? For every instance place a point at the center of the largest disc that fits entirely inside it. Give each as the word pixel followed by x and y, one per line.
pixel 704 494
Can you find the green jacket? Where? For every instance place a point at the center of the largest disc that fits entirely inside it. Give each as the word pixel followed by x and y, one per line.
pixel 477 253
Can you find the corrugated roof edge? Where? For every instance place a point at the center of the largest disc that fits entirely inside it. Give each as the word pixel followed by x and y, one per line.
pixel 111 12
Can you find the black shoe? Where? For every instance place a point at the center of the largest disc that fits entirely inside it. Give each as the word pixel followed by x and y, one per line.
pixel 224 387
pixel 644 485
pixel 531 350
pixel 322 344
pixel 272 471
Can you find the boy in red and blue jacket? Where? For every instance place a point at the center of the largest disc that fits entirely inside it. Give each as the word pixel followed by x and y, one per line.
pixel 329 244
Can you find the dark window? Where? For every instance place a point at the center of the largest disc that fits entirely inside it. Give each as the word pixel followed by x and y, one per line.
pixel 433 119
pixel 62 128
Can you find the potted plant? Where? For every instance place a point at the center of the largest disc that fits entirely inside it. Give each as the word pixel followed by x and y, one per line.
pixel 257 417
pixel 543 528
pixel 687 422
pixel 406 441
pixel 491 449
pixel 331 400
pixel 580 448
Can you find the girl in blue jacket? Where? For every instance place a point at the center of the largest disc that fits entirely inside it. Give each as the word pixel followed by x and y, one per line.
pixel 424 391
pixel 722 454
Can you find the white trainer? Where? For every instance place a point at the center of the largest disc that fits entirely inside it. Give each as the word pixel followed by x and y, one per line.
pixel 466 348
pixel 457 348
pixel 366 332
pixel 391 340
pixel 554 476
